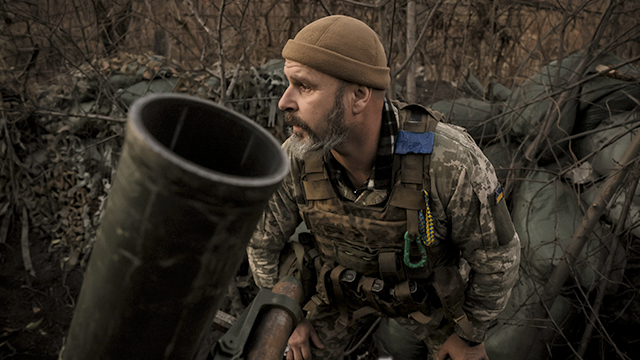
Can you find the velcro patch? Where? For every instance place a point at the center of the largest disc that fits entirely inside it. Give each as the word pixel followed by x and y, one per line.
pixel 414 143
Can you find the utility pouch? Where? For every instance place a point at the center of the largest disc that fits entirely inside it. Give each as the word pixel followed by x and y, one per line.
pixel 323 285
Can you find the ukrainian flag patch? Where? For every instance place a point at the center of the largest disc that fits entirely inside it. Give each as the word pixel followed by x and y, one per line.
pixel 499 195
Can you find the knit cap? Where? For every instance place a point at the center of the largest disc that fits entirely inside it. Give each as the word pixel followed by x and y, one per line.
pixel 343 47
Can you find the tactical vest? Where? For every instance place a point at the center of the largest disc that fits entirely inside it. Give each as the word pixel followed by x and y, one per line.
pixel 362 247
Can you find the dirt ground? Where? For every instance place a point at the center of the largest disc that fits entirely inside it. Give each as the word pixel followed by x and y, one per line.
pixel 35 311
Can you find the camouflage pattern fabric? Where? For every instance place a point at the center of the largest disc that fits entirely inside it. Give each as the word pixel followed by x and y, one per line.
pixel 467 209
pixel 400 338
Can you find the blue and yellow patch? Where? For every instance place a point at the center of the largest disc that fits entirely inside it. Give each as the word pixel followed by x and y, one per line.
pixel 499 195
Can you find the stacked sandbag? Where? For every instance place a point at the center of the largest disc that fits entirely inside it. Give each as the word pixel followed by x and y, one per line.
pixel 529 103
pixel 588 104
pixel 546 214
pixel 478 117
pixel 610 94
pixel 604 147
pixel 506 333
pixel 503 156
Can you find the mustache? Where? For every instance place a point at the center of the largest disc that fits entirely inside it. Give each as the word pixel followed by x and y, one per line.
pixel 293 120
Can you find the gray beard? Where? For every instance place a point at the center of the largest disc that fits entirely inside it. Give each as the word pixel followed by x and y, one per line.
pixel 306 148
pixel 317 145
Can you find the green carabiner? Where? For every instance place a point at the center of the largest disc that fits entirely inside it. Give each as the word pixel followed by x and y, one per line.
pixel 407 248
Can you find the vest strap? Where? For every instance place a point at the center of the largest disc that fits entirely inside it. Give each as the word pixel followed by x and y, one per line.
pixel 365 287
pixel 343 320
pixel 318 190
pixel 420 317
pixel 407 198
pixel 416 127
pixel 313 303
pixel 315 181
pixel 463 321
pixel 299 251
pixel 314 165
pixel 402 293
pixel 413 223
pixel 364 311
pixel 388 268
pixel 412 169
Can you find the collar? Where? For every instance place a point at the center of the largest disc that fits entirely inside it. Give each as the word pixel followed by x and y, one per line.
pixel 381 173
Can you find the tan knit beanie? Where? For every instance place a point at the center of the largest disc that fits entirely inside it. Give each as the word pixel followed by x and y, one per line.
pixel 343 47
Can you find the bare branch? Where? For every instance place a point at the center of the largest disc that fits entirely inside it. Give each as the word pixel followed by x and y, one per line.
pixel 422 32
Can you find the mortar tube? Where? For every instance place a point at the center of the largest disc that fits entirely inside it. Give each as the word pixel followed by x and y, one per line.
pixel 191 184
pixel 275 327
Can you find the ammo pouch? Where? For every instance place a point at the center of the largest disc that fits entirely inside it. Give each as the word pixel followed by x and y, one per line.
pixel 360 295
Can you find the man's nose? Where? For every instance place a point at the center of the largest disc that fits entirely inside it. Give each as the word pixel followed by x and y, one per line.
pixel 287 102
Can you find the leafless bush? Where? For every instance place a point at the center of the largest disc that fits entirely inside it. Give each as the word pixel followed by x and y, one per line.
pixel 55 55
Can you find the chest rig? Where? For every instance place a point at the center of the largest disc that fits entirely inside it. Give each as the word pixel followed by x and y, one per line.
pixel 365 250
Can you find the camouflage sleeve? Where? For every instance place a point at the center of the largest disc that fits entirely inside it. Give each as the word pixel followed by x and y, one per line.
pixel 278 223
pixel 482 229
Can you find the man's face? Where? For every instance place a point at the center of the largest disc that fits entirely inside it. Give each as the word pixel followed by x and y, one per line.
pixel 314 105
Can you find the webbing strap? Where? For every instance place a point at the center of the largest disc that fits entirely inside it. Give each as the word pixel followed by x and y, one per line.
pixel 318 190
pixel 364 311
pixel 365 287
pixel 314 165
pixel 315 181
pixel 413 223
pixel 299 250
pixel 402 292
pixel 450 289
pixel 406 198
pixel 388 268
pixel 416 127
pixel 463 321
pixel 431 126
pixel 322 276
pixel 313 303
pixel 343 320
pixel 420 317
pixel 414 175
pixel 412 169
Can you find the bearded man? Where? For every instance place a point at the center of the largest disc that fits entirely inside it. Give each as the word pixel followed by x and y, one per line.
pixel 400 207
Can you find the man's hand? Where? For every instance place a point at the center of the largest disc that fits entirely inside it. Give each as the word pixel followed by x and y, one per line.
pixel 458 349
pixel 299 346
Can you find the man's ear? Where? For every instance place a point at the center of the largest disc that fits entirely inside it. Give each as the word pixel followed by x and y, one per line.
pixel 361 99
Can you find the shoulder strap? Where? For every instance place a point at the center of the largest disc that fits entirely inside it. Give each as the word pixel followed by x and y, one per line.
pixel 315 181
pixel 414 168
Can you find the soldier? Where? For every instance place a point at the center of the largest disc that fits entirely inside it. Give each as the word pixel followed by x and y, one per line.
pixel 406 212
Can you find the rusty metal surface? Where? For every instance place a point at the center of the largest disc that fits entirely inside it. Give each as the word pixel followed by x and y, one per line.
pixel 275 327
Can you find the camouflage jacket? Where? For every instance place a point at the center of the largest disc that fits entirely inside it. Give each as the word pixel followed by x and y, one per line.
pixel 463 193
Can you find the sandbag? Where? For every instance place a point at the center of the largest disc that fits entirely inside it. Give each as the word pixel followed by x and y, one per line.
pixel 615 208
pixel 157 86
pixel 607 95
pixel 477 116
pixel 501 155
pixel 529 103
pixel 507 332
pixel 546 214
pixel 605 148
